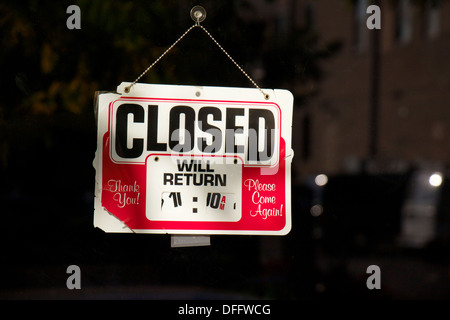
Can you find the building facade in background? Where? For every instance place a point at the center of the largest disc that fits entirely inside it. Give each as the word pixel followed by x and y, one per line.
pixel 385 111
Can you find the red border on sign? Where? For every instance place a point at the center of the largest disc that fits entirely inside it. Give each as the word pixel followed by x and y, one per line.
pixel 252 219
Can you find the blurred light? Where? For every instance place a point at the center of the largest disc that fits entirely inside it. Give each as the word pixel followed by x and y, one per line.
pixel 435 179
pixel 316 210
pixel 321 180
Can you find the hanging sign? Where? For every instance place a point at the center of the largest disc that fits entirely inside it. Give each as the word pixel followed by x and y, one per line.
pixel 193 160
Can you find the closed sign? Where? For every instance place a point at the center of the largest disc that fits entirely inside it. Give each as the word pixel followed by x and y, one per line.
pixel 193 160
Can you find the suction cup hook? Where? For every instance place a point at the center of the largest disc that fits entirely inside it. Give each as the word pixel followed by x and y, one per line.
pixel 198 14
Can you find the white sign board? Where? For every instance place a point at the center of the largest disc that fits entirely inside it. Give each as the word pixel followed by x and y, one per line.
pixel 193 160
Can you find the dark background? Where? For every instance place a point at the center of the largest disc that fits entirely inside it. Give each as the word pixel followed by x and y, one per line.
pixel 49 75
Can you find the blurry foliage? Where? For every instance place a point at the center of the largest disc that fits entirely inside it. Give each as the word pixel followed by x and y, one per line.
pixel 48 69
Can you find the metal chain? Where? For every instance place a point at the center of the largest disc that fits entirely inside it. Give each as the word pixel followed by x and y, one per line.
pixel 266 96
pixel 127 89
